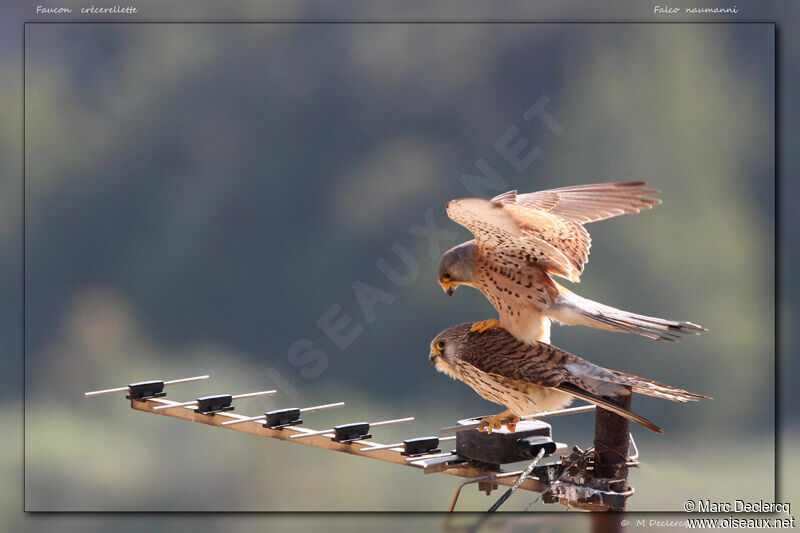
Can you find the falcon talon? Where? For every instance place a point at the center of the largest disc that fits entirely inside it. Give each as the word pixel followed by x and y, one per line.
pixel 497 422
pixel 485 325
pixel 511 423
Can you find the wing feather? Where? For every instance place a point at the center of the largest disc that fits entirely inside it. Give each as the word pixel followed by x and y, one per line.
pixel 589 203
pixel 544 365
pixel 509 235
pixel 548 225
pixel 498 352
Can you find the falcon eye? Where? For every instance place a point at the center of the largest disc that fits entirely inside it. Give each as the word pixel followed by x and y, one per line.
pixel 440 345
pixel 447 276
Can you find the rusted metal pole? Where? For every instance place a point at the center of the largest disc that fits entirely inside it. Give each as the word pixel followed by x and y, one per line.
pixel 611 443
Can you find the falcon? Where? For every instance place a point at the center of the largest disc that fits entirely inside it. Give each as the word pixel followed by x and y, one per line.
pixel 529 378
pixel 522 240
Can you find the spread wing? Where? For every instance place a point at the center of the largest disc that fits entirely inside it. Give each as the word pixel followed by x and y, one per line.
pixel 546 227
pixel 532 237
pixel 568 208
pixel 587 203
pixel 568 237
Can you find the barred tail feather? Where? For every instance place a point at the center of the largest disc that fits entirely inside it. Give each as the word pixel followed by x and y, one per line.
pixel 659 390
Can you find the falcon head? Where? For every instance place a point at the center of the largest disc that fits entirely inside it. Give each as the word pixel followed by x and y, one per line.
pixel 446 348
pixel 457 267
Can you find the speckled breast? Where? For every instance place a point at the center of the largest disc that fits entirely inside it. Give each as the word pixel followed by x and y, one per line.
pixel 513 288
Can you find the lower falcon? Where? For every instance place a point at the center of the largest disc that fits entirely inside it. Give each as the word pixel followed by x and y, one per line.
pixel 529 378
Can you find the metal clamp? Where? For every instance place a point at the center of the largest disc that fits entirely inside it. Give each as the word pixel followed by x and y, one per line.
pixel 208 405
pixel 145 390
pixel 348 433
pixel 282 418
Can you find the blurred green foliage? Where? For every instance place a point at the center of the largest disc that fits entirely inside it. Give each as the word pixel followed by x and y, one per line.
pixel 198 195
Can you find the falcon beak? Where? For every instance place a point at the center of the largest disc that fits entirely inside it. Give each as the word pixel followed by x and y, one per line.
pixel 448 288
pixel 432 357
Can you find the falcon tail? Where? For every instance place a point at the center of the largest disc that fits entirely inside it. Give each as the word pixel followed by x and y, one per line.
pixel 654 388
pixel 574 310
pixel 608 406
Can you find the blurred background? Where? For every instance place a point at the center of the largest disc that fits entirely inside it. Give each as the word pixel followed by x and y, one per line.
pixel 161 160
pixel 200 197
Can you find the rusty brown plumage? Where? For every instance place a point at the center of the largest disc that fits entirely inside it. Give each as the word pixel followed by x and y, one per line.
pixel 549 224
pixel 522 240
